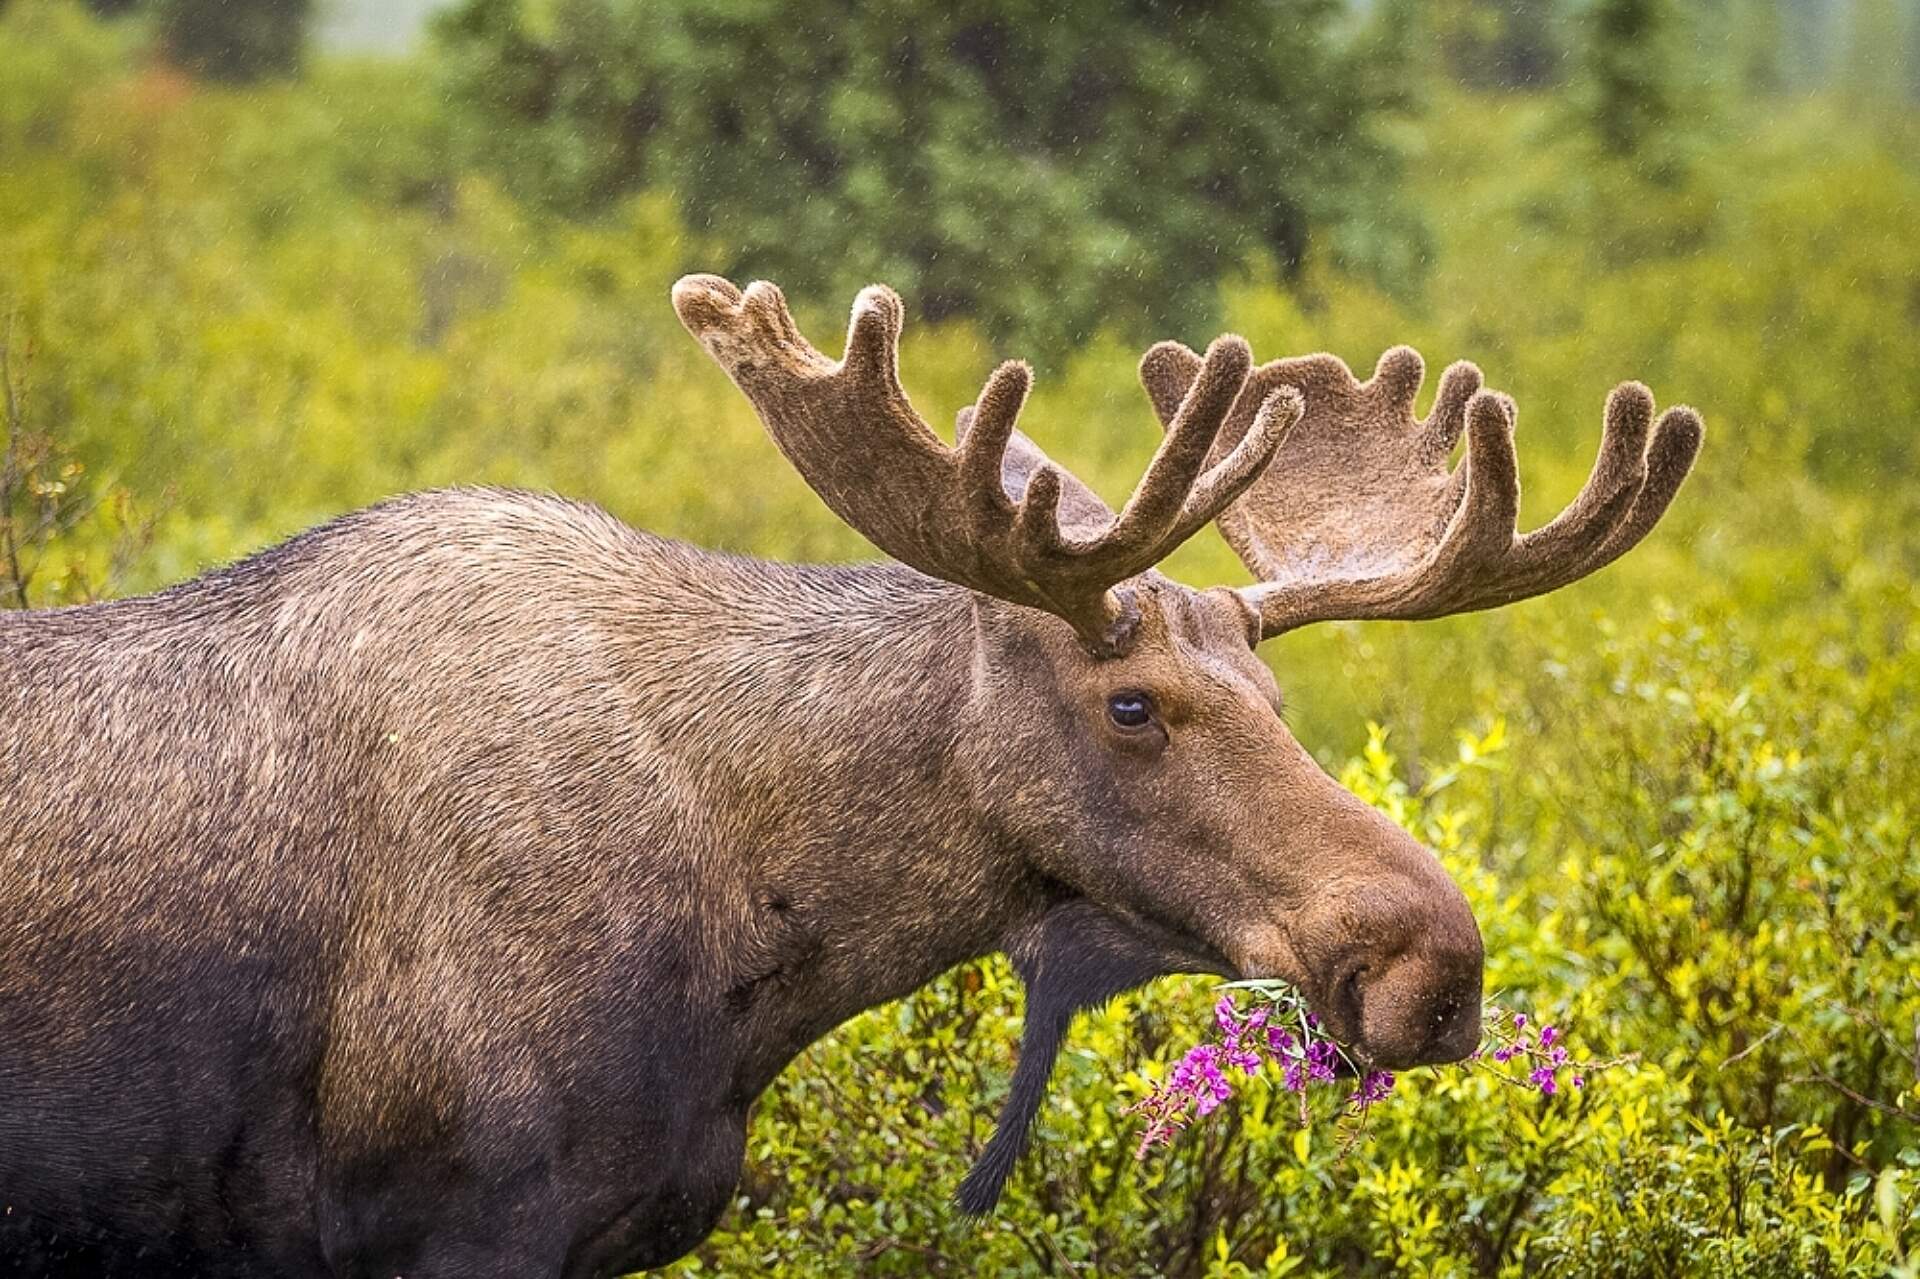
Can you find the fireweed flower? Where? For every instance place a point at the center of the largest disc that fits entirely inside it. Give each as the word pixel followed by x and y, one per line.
pixel 1374 1086
pixel 1198 1076
pixel 1280 1032
pixel 1233 1029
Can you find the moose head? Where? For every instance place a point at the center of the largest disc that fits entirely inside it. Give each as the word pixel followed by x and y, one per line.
pixel 1125 735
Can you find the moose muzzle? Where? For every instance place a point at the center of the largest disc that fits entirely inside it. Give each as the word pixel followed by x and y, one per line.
pixel 1381 939
pixel 1401 979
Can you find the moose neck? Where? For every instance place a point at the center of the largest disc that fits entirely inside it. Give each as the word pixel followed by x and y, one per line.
pixel 854 863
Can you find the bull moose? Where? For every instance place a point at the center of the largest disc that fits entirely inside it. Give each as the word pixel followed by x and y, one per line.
pixel 432 894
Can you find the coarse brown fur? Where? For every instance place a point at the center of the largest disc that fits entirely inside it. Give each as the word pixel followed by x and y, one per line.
pixel 330 876
pixel 432 894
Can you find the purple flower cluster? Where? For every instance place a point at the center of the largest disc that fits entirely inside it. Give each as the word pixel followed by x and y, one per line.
pixel 1283 1034
pixel 1542 1054
pixel 1198 1077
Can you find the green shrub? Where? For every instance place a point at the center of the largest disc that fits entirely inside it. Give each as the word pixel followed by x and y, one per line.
pixel 234 39
pixel 1046 173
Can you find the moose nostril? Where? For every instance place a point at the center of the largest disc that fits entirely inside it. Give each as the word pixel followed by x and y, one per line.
pixel 1420 1006
pixel 1446 1011
pixel 1349 997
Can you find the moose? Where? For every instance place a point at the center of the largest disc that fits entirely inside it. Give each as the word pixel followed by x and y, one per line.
pixel 433 893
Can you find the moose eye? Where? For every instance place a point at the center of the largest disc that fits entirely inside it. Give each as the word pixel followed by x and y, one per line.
pixel 1130 709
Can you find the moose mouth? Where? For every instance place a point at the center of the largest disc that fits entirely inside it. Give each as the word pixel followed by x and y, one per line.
pixel 1268 955
pixel 1413 1019
pixel 1077 956
pixel 1413 1008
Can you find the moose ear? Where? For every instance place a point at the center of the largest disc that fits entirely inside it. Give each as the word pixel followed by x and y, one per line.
pixel 1076 957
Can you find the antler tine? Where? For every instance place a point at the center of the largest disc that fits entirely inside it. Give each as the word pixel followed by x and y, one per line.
pixel 1490 504
pixel 1225 482
pixel 1443 426
pixel 1634 478
pixel 1359 516
pixel 1157 502
pixel 1167 371
pixel 1179 494
pixel 847 427
pixel 986 429
pixel 1481 561
pixel 992 514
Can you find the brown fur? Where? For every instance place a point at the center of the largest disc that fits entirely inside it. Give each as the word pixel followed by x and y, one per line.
pixel 306 900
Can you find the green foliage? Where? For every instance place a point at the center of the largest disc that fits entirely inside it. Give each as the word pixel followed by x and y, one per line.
pixel 1503 44
pixel 48 501
pixel 1750 875
pixel 1632 62
pixel 1681 803
pixel 234 39
pixel 1048 170
pixel 1875 46
pixel 54 55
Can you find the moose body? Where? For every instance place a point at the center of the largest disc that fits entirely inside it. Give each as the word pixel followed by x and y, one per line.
pixel 390 939
pixel 433 894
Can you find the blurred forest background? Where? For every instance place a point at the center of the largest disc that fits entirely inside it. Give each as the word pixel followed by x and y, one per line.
pixel 262 261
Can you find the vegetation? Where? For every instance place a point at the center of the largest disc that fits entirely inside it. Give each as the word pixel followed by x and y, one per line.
pixel 234 39
pixel 1679 795
pixel 1043 176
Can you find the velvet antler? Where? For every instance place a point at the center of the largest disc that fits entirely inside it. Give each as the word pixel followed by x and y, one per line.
pixel 992 513
pixel 1358 516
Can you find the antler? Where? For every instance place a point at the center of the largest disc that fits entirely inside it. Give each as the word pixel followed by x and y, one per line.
pixel 1359 516
pixel 993 513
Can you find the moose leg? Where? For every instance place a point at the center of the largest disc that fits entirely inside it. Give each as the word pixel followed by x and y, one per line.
pixel 1076 957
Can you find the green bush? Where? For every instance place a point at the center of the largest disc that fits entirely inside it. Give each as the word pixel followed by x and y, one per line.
pixel 234 39
pixel 1046 171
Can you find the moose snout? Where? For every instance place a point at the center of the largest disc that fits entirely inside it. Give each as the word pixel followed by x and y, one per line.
pixel 1405 988
pixel 1419 1007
